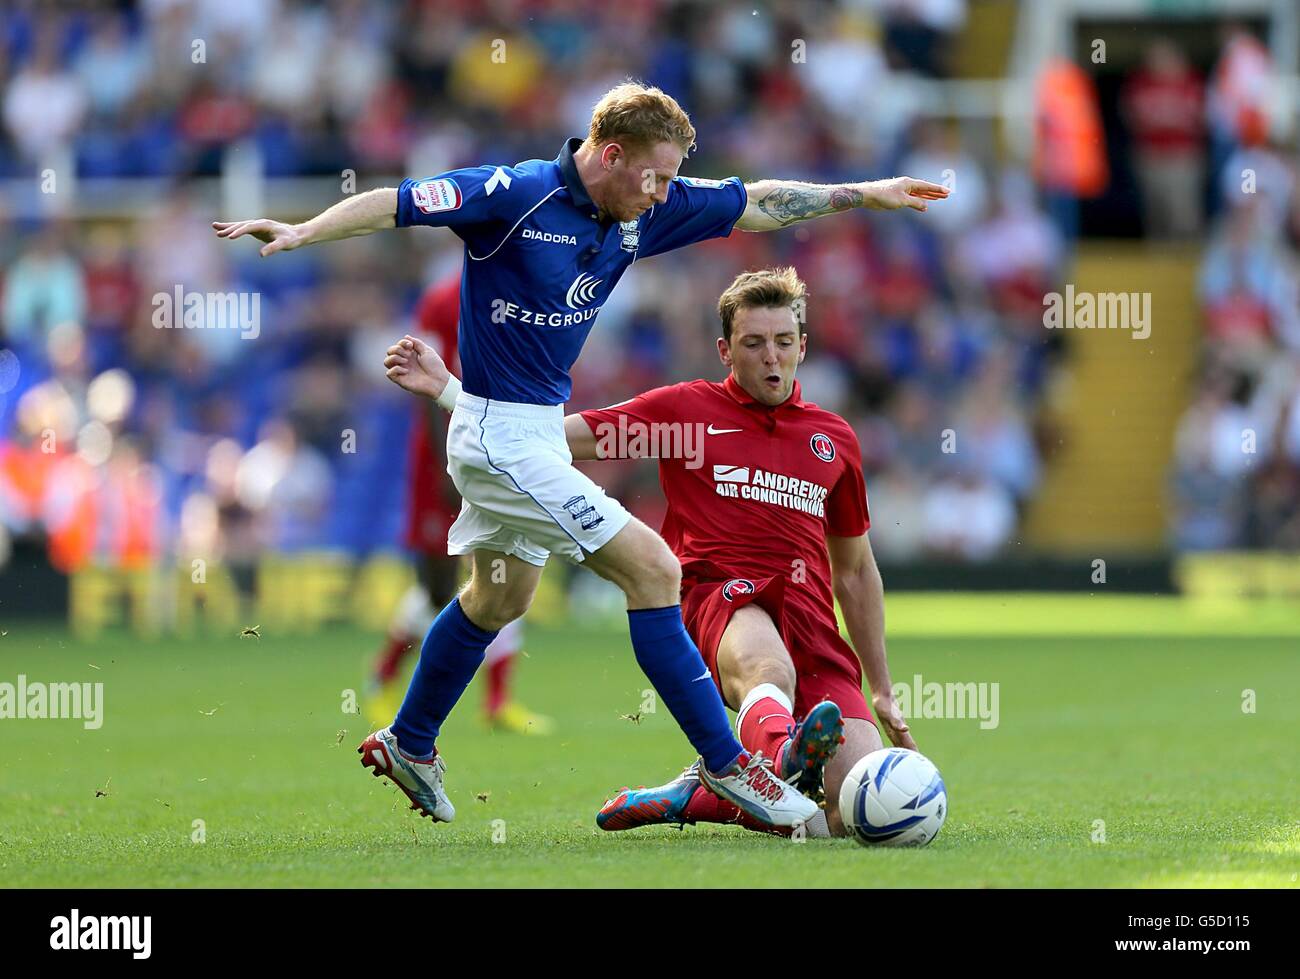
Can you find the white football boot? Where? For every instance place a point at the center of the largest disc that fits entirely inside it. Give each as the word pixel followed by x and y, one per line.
pixel 751 786
pixel 420 780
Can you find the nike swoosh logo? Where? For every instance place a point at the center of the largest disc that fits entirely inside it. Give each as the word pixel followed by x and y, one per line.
pixel 721 431
pixel 766 716
pixel 706 675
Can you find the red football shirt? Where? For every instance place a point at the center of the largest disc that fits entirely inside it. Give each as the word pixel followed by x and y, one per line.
pixel 752 491
pixel 432 502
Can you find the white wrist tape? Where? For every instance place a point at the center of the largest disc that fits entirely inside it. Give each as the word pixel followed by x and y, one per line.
pixel 447 400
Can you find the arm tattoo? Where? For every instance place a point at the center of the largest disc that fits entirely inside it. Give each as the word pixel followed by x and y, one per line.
pixel 787 203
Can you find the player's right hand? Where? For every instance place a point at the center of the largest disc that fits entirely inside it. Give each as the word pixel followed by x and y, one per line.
pixel 279 237
pixel 891 719
pixel 415 366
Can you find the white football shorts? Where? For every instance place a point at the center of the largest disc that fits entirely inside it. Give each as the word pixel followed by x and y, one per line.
pixel 519 491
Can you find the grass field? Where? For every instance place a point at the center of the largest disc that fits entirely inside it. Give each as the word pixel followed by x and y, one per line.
pixel 1142 728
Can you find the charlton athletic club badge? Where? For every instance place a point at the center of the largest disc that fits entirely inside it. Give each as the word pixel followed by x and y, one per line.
pixel 823 448
pixel 631 234
pixel 737 586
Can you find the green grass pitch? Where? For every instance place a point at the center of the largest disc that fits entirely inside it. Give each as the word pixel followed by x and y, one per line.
pixel 1142 727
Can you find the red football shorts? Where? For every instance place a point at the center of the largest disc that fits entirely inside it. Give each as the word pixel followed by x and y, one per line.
pixel 826 667
pixel 432 505
pixel 428 518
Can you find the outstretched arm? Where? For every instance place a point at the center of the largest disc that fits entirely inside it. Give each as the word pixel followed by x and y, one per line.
pixel 414 366
pixel 363 214
pixel 779 203
pixel 856 582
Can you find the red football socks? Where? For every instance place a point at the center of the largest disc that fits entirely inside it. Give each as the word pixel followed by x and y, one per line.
pixel 705 807
pixel 765 726
pixel 498 682
pixel 390 657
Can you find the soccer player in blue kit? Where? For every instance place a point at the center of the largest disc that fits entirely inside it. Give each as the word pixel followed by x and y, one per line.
pixel 545 243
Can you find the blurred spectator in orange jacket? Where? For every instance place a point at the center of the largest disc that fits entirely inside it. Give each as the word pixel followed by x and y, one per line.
pixel 1070 144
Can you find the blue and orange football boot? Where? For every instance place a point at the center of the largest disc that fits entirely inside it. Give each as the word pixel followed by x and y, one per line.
pixel 813 742
pixel 663 805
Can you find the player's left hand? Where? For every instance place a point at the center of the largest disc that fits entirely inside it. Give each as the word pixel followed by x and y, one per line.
pixel 416 367
pixel 896 192
pixel 891 719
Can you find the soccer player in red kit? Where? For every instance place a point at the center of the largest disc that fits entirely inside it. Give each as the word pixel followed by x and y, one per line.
pixel 431 507
pixel 767 513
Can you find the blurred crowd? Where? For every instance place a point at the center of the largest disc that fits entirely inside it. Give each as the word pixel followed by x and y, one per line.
pixel 1211 164
pixel 215 445
pixel 127 443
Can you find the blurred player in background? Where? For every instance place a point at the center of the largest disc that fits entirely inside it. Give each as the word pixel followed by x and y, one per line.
pixel 769 521
pixel 431 508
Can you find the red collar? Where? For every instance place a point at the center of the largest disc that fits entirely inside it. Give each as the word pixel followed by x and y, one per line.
pixel 741 396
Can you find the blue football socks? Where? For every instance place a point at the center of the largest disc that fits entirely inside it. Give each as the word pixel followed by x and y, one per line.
pixel 676 669
pixel 451 653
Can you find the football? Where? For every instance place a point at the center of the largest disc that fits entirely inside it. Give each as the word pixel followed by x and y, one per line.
pixel 894 797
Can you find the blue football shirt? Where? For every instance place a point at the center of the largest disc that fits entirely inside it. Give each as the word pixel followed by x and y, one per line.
pixel 539 263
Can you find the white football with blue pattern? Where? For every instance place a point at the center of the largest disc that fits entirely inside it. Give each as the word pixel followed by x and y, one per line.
pixel 894 797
